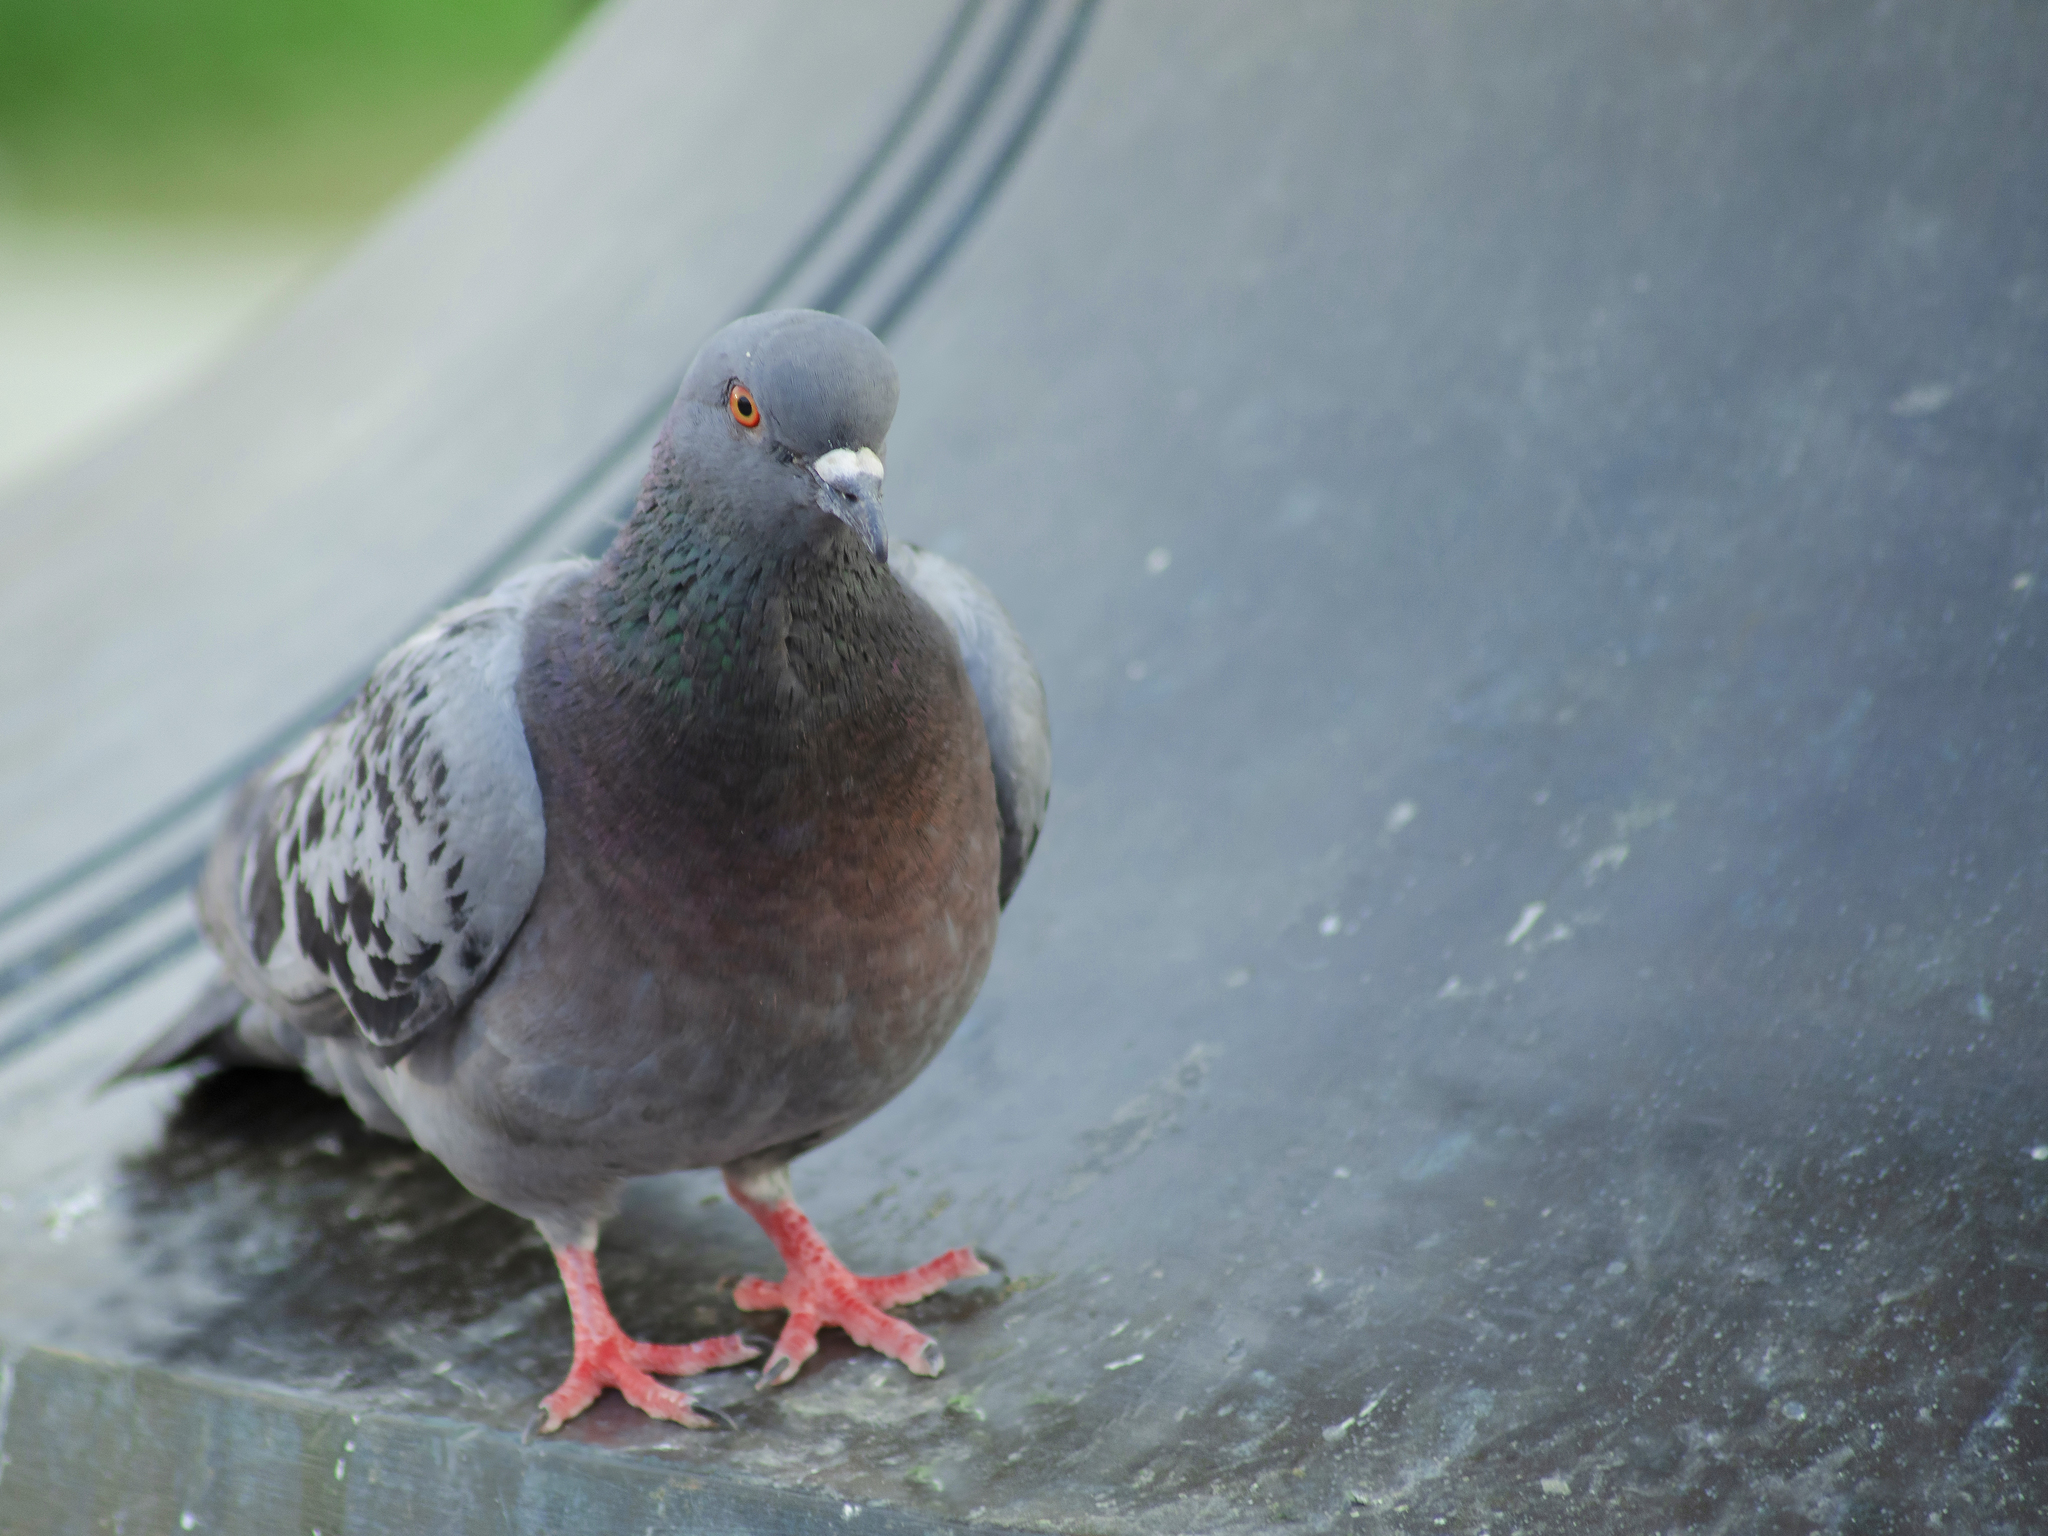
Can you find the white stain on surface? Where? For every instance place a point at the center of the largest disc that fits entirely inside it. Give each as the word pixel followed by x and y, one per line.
pixel 1613 856
pixel 1557 1487
pixel 1641 816
pixel 1525 922
pixel 1403 812
pixel 1457 987
pixel 1157 562
pixel 65 1214
pixel 1335 1432
pixel 1923 399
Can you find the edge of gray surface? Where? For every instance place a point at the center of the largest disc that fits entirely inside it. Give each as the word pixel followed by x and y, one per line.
pixel 94 1445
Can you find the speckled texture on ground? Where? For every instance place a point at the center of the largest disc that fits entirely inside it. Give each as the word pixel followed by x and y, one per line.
pixel 1527 1014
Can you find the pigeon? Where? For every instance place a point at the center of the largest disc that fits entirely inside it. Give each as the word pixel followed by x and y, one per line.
pixel 687 857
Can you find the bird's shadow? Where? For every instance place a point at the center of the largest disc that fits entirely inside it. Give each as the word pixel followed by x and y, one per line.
pixel 306 1250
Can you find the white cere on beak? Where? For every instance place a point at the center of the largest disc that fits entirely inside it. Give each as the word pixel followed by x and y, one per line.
pixel 846 467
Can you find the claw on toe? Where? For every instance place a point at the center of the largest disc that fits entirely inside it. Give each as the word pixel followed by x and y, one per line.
pixel 606 1357
pixel 819 1291
pixel 613 1360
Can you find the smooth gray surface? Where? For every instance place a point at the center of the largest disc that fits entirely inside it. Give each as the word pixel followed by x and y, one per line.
pixel 1446 459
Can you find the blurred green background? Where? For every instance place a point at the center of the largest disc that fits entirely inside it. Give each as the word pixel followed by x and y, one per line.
pixel 172 172
pixel 250 109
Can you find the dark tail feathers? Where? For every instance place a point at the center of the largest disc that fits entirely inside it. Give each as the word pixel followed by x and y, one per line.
pixel 204 1030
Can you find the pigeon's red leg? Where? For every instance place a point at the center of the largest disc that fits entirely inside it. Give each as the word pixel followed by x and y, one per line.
pixel 605 1357
pixel 819 1291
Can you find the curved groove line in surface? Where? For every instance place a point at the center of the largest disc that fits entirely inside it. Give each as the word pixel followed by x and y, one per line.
pixel 913 108
pixel 54 1018
pixel 101 923
pixel 997 173
pixel 937 161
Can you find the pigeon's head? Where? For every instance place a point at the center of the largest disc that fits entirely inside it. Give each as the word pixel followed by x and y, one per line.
pixel 784 416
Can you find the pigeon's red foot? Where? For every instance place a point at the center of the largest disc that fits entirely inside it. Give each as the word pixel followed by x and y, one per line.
pixel 819 1290
pixel 605 1357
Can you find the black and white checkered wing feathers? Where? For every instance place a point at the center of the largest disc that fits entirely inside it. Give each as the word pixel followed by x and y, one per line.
pixel 372 879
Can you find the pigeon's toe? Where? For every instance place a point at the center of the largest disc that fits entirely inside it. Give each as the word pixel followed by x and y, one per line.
pixel 819 1291
pixel 781 1368
pixel 835 1300
pixel 606 1357
pixel 695 1359
pixel 610 1363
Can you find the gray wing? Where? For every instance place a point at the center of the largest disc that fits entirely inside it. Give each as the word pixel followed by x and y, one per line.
pixel 371 879
pixel 1007 686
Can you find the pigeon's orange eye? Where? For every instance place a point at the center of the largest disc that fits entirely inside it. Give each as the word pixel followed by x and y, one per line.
pixel 740 401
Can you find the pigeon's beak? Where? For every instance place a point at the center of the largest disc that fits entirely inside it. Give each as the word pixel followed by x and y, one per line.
pixel 852 492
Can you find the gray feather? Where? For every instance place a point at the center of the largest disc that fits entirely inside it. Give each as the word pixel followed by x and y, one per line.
pixel 1006 685
pixel 370 880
